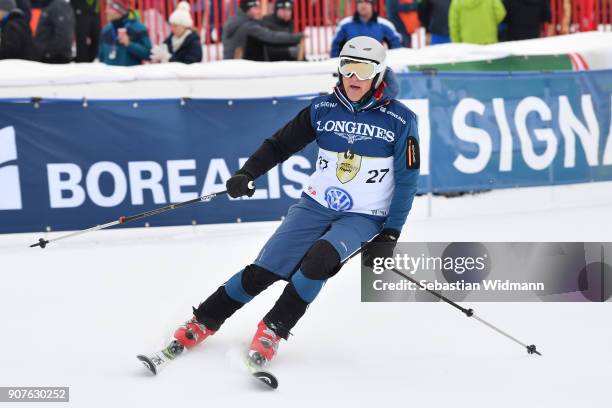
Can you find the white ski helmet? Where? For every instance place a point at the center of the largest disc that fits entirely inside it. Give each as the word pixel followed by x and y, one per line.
pixel 366 49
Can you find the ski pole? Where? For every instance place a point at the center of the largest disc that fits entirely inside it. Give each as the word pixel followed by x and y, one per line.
pixel 124 220
pixel 531 349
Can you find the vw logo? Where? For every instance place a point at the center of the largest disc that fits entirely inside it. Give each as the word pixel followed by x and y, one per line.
pixel 338 199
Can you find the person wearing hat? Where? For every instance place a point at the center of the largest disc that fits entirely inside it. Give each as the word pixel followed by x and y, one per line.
pixel 55 32
pixel 245 24
pixel 183 44
pixel 365 22
pixel 359 194
pixel 282 17
pixel 124 40
pixel 15 34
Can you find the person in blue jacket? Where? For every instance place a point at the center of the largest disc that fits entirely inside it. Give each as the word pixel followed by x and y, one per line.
pixel 365 22
pixel 124 40
pixel 361 191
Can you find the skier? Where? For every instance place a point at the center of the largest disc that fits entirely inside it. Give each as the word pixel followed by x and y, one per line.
pixel 361 191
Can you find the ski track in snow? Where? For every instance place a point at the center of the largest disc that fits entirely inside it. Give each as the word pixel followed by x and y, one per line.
pixel 77 313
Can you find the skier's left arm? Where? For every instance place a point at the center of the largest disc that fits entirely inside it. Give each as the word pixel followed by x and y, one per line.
pixel 406 163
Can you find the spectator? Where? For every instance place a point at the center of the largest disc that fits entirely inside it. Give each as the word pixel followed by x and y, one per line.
pixel 124 40
pixel 87 29
pixel 392 8
pixel 365 22
pixel 280 20
pixel 475 21
pixel 244 24
pixel 55 32
pixel 282 17
pixel 183 44
pixel 26 7
pixel 434 17
pixel 15 34
pixel 525 18
pixel 409 14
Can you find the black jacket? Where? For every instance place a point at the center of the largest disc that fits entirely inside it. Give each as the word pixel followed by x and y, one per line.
pixel 433 15
pixel 276 24
pixel 275 52
pixel 16 38
pixel 190 50
pixel 240 27
pixel 524 18
pixel 55 32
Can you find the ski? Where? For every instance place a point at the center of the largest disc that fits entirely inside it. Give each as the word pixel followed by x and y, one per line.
pixel 255 363
pixel 156 361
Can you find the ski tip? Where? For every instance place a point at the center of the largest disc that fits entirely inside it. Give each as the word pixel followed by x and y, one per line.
pixel 147 363
pixel 266 378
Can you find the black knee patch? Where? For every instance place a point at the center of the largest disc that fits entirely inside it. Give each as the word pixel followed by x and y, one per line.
pixel 219 306
pixel 321 261
pixel 255 279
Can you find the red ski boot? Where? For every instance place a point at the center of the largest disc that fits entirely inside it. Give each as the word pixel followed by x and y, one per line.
pixel 192 333
pixel 264 345
pixel 187 336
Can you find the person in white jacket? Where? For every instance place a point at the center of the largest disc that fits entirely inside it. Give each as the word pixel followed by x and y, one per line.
pixel 183 44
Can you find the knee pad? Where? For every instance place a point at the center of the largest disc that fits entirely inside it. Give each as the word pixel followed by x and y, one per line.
pixel 249 282
pixel 321 261
pixel 255 279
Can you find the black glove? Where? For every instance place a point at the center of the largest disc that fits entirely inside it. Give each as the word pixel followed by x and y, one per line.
pixel 380 247
pixel 240 184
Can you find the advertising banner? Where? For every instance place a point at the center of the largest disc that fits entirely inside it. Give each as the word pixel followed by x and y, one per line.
pixel 72 164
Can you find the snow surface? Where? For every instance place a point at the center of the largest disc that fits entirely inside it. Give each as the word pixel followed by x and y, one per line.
pixel 77 313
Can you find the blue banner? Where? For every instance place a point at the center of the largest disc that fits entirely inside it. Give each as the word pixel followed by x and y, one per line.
pixel 484 131
pixel 66 165
pixel 73 164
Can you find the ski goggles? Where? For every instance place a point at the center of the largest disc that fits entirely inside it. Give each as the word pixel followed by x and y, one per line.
pixel 364 70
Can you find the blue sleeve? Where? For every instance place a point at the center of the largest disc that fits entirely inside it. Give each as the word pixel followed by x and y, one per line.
pixel 102 45
pixel 339 39
pixel 395 39
pixel 406 172
pixel 140 44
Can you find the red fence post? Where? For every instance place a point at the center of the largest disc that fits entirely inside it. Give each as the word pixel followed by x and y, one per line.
pixel 216 27
pixel 317 25
pixel 326 8
pixel 206 27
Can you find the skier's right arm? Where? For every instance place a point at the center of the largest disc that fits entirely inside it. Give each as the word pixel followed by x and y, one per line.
pixel 292 138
